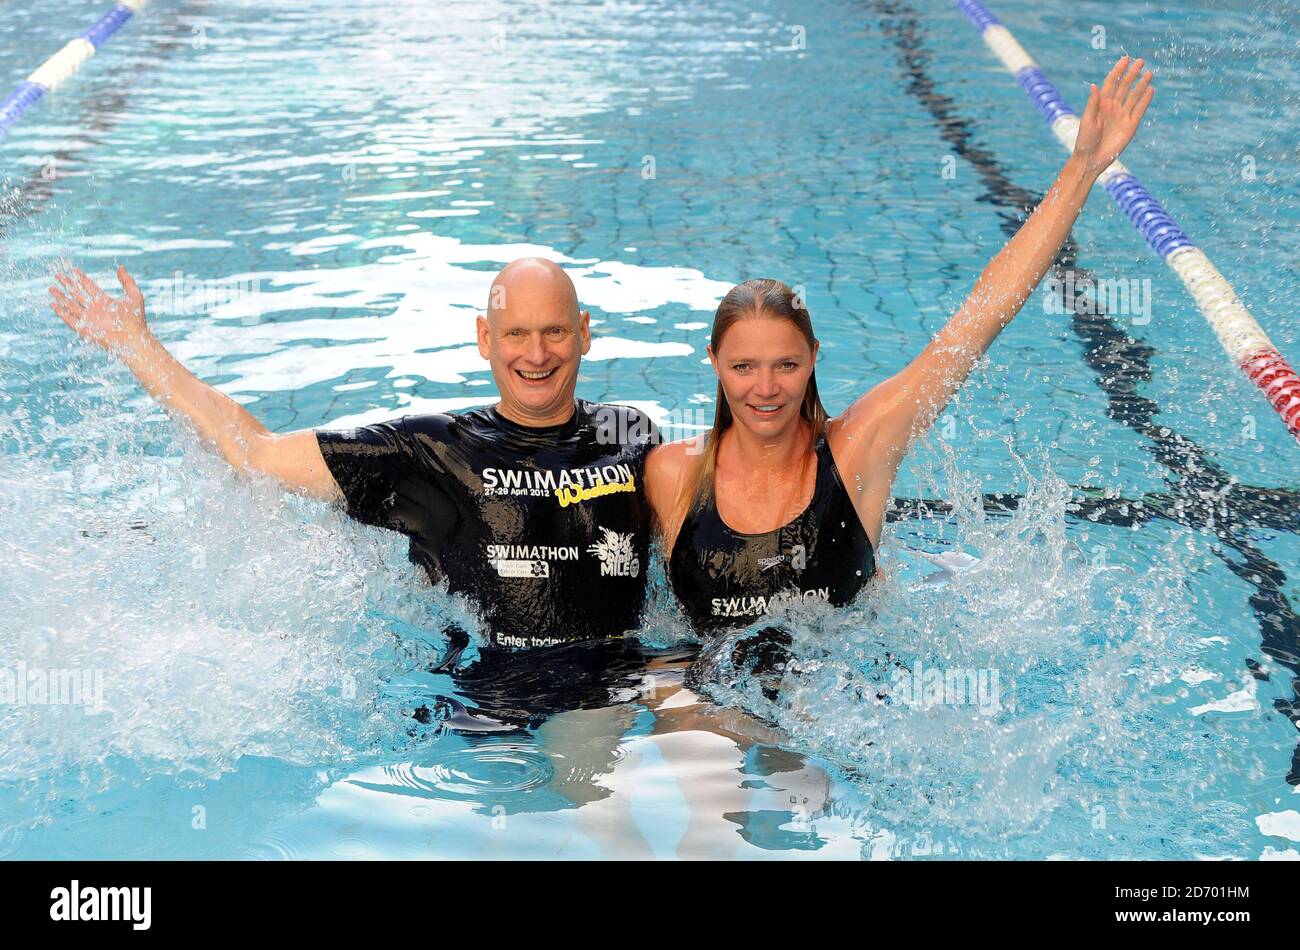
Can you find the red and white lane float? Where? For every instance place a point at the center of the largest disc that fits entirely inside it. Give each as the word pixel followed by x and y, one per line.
pixel 1241 336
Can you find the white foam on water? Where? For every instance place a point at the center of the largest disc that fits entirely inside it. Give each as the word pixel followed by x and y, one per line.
pixel 1281 824
pixel 1021 698
pixel 1242 700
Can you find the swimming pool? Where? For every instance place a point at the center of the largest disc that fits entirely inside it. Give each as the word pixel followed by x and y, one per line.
pixel 314 198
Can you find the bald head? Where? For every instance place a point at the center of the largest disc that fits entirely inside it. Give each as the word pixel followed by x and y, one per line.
pixel 536 285
pixel 534 337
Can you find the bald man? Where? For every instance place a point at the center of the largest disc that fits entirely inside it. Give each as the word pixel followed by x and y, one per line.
pixel 532 507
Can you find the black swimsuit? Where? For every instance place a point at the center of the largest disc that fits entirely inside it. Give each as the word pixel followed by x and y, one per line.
pixel 728 579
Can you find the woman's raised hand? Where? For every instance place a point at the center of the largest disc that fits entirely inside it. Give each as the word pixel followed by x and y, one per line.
pixel 1112 115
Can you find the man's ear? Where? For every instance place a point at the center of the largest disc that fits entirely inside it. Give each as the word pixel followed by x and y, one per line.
pixel 481 325
pixel 584 330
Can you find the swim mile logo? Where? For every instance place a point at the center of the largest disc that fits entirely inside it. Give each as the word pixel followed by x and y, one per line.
pixel 617 555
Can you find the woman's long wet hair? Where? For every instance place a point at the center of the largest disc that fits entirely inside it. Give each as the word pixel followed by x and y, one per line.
pixel 768 298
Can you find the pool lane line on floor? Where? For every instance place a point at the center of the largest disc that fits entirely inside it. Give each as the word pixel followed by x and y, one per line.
pixel 1239 334
pixel 58 68
pixel 1205 496
pixel 1264 508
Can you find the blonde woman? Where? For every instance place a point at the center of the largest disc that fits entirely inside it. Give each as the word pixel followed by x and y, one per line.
pixel 786 502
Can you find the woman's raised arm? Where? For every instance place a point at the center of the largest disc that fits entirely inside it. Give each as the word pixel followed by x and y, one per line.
pixel 886 420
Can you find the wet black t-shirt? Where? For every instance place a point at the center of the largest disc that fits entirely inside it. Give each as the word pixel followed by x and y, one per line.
pixel 546 529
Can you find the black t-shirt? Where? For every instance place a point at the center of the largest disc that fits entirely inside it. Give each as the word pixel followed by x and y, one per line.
pixel 546 529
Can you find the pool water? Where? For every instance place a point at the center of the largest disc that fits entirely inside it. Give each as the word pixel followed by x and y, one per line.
pixel 314 197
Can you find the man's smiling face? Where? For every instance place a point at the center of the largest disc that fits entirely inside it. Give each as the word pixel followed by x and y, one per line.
pixel 535 338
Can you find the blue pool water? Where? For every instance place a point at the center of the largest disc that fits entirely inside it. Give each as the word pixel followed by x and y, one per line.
pixel 314 196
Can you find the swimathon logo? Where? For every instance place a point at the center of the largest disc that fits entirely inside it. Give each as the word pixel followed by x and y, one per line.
pixel 570 486
pixel 528 560
pixel 753 606
pixel 617 555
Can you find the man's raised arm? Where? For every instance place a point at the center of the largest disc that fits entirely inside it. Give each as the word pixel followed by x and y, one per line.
pixel 118 325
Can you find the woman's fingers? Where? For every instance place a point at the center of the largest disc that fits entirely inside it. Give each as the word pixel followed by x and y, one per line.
pixel 1119 84
pixel 1140 109
pixel 1126 82
pixel 1112 78
pixel 1090 108
pixel 1136 93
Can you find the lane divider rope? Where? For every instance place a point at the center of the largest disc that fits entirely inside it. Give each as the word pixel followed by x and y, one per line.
pixel 56 70
pixel 1239 334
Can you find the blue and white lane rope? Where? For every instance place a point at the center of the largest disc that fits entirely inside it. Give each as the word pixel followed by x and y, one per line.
pixel 1241 337
pixel 52 73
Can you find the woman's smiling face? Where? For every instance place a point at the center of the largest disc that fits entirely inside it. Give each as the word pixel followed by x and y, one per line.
pixel 764 364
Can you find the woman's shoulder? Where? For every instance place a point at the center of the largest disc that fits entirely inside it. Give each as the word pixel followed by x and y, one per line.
pixel 671 460
pixel 666 471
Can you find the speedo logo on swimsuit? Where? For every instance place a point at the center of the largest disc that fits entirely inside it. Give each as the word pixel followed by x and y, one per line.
pixel 753 606
pixel 528 560
pixel 617 555
pixel 569 486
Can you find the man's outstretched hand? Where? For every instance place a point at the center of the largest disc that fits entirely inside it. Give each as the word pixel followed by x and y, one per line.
pixel 116 323
pixel 1112 115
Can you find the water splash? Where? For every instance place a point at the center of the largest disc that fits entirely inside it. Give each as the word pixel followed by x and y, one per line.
pixel 209 617
pixel 1033 692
